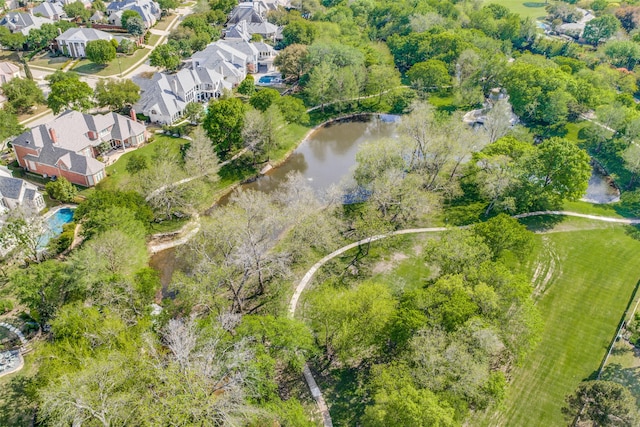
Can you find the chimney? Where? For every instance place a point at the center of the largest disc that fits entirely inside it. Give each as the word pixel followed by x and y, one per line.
pixel 53 135
pixel 132 114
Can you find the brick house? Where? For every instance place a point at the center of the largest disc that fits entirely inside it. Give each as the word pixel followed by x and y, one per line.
pixel 68 145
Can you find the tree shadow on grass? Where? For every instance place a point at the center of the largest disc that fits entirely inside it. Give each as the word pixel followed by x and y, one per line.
pixel 628 377
pixel 90 68
pixel 16 408
pixel 541 223
pixel 344 391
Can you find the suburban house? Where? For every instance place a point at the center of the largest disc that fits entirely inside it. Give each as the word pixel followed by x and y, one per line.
pixel 68 145
pixel 8 71
pixel 249 18
pixel 23 22
pixel 73 42
pixel 86 3
pixel 244 30
pixel 98 18
pixel 15 192
pixel 235 58
pixel 165 96
pixel 51 10
pixel 148 10
pixel 221 65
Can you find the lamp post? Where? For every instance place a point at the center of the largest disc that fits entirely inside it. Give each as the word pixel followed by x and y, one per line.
pixel 120 66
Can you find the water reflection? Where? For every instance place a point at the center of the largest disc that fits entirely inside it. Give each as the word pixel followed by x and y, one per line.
pixel 329 155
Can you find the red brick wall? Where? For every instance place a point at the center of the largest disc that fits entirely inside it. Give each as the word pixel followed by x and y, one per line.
pixel 23 151
pixel 76 178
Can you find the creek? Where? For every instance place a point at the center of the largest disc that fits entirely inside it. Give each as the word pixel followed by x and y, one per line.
pixel 324 159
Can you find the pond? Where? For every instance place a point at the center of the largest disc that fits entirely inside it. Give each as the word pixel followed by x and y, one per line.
pixel 326 158
pixel 53 225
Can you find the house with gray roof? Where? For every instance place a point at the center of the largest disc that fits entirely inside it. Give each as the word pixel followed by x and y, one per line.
pixel 15 193
pixel 23 22
pixel 73 42
pixel 50 10
pixel 8 71
pixel 243 30
pixel 68 145
pixel 165 96
pixel 148 10
pixel 234 58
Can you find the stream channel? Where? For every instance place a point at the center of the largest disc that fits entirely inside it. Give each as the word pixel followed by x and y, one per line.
pixel 328 157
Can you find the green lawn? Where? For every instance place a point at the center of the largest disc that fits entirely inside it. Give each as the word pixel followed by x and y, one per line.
pixel 153 39
pixel 16 408
pixel 164 23
pixel 118 177
pixel 533 9
pixel 49 61
pixel 592 277
pixel 114 68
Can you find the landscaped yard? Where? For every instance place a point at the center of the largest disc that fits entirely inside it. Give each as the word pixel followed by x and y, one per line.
pixel 116 67
pixel 50 61
pixel 164 23
pixel 533 9
pixel 581 306
pixel 153 39
pixel 118 177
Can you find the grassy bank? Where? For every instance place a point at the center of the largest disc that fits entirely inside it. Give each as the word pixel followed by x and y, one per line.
pixel 581 305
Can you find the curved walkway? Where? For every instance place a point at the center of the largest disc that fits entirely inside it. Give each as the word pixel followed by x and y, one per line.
pixel 313 386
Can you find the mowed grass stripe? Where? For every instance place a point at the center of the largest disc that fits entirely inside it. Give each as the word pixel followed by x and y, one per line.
pixel 593 282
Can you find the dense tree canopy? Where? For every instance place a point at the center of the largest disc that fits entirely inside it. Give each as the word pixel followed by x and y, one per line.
pixel 100 51
pixel 22 94
pixel 223 124
pixel 67 91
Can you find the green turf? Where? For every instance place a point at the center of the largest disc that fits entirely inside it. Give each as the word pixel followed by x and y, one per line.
pixel 117 175
pixel 50 61
pixel 116 67
pixel 164 23
pixel 592 279
pixel 532 9
pixel 153 39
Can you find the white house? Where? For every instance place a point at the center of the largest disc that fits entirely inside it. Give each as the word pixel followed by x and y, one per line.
pixel 15 192
pixel 50 10
pixel 8 71
pixel 165 96
pixel 235 58
pixel 23 22
pixel 73 42
pixel 148 10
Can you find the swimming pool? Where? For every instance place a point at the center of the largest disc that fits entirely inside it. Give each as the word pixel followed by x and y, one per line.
pixel 266 80
pixel 53 225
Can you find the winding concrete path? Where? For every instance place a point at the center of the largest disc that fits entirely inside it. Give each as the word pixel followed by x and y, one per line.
pixel 306 279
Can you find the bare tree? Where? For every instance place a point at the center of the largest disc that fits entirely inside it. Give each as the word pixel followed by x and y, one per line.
pixel 201 159
pixel 160 185
pixel 180 337
pixel 100 393
pixel 25 231
pixel 631 157
pixel 496 176
pixel 253 132
pixel 498 121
